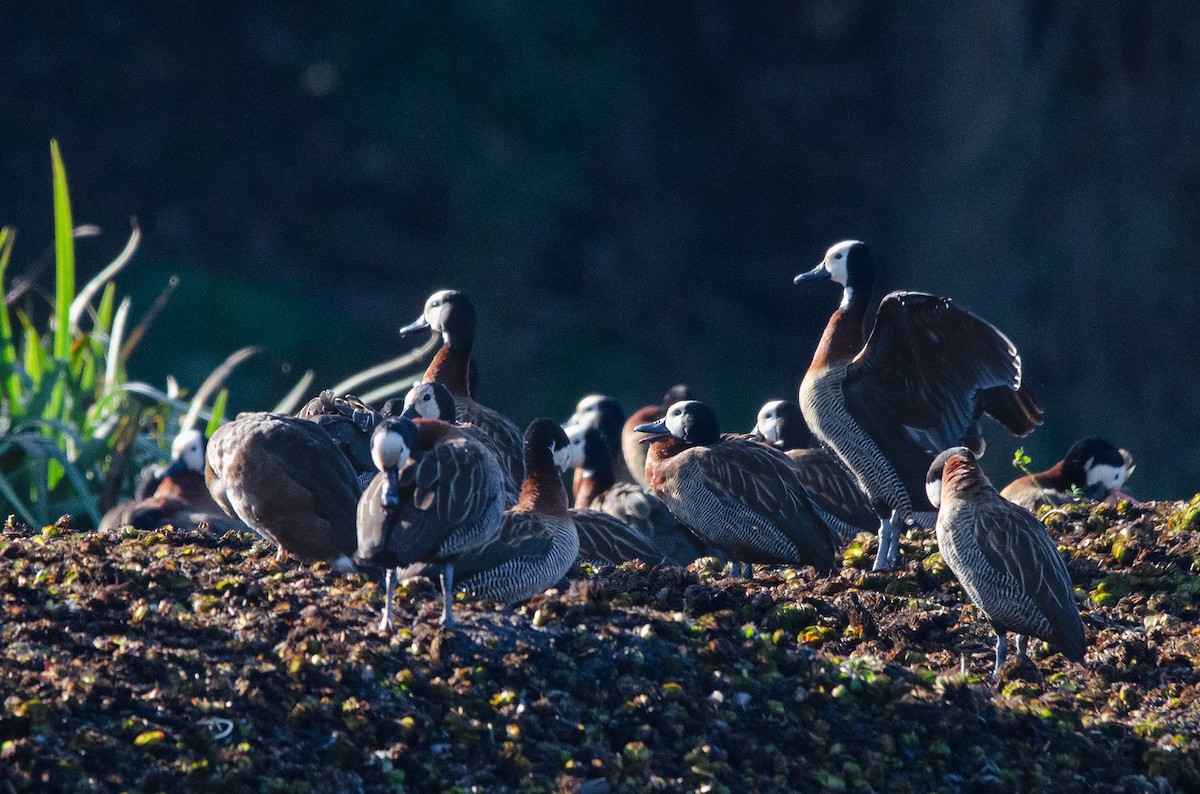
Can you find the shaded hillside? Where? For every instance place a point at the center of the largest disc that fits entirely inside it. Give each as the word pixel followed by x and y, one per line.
pixel 179 661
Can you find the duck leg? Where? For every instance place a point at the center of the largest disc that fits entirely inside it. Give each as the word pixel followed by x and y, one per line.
pixel 385 623
pixel 447 620
pixel 1001 652
pixel 1023 645
pixel 889 541
pixel 281 556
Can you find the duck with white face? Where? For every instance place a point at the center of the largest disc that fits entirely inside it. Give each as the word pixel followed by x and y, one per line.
pixel 743 497
pixel 1092 468
pixel 1004 558
pixel 187 453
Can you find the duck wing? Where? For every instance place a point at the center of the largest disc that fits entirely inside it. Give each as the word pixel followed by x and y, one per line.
pixel 833 488
pixel 607 540
pixel 507 439
pixel 925 376
pixel 1016 544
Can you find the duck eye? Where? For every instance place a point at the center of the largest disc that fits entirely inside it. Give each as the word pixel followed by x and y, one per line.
pixel 837 256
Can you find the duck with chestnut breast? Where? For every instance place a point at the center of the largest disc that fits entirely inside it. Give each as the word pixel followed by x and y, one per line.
pixel 632 448
pixel 1093 467
pixel 781 425
pixel 178 496
pixel 918 385
pixel 1004 558
pixel 285 478
pixel 606 415
pixel 434 401
pixel 349 422
pixel 738 495
pixel 538 541
pixel 451 314
pixel 438 495
pixel 635 523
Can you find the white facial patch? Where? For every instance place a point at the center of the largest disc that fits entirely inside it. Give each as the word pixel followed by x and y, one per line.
pixel 835 260
pixel 423 398
pixel 674 419
pixel 562 457
pixel 388 450
pixel 1108 477
pixel 577 445
pixel 188 446
pixel 768 422
pixel 933 490
pixel 436 309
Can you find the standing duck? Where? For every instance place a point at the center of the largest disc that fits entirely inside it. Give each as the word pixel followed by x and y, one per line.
pixel 446 502
pixel 434 401
pixel 1093 466
pixel 451 314
pixel 1003 557
pixel 349 422
pixel 538 541
pixel 635 524
pixel 834 489
pixel 918 385
pixel 741 496
pixel 177 494
pixel 285 478
pixel 632 448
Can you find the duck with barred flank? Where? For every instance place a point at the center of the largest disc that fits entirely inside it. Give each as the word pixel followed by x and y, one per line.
pixel 451 314
pixel 918 385
pixel 437 496
pixel 285 478
pixel 1092 466
pixel 434 401
pixel 781 425
pixel 1004 558
pixel 635 523
pixel 740 496
pixel 538 541
pixel 632 448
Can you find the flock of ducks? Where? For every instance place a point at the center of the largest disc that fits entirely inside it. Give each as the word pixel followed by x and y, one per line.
pixel 442 486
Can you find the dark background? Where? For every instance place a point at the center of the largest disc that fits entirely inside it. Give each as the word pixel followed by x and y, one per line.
pixel 627 188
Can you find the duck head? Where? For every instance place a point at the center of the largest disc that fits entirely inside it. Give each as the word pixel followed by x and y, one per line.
pixel 429 401
pixel 542 437
pixel 1097 467
pixel 691 421
pixel 391 446
pixel 781 424
pixel 952 468
pixel 848 263
pixel 603 413
pixel 187 453
pixel 447 312
pixel 586 447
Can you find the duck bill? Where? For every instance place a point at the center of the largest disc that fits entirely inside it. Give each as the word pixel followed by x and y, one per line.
pixel 656 429
pixel 410 412
pixel 818 273
pixel 391 489
pixel 176 466
pixel 421 324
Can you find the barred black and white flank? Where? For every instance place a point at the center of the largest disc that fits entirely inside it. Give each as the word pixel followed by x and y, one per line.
pixel 1003 557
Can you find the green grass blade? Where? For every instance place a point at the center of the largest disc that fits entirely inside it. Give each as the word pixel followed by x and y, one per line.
pixel 104 314
pixel 64 255
pixel 218 413
pixel 8 350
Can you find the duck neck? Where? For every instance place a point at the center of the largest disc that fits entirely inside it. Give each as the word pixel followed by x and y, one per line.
pixel 661 450
pixel 452 367
pixel 591 480
pixel 843 336
pixel 961 477
pixel 429 433
pixel 1056 477
pixel 542 491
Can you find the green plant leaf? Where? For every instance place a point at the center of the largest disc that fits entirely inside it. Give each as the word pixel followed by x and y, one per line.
pixel 218 413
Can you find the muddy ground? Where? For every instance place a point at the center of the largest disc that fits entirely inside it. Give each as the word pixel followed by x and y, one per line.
pixel 182 661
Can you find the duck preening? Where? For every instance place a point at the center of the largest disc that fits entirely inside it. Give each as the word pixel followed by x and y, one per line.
pixel 286 478
pixel 451 314
pixel 1093 468
pixel 740 496
pixel 620 521
pixel 918 385
pixel 349 422
pixel 827 481
pixel 538 542
pixel 175 495
pixel 438 494
pixel 1003 557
